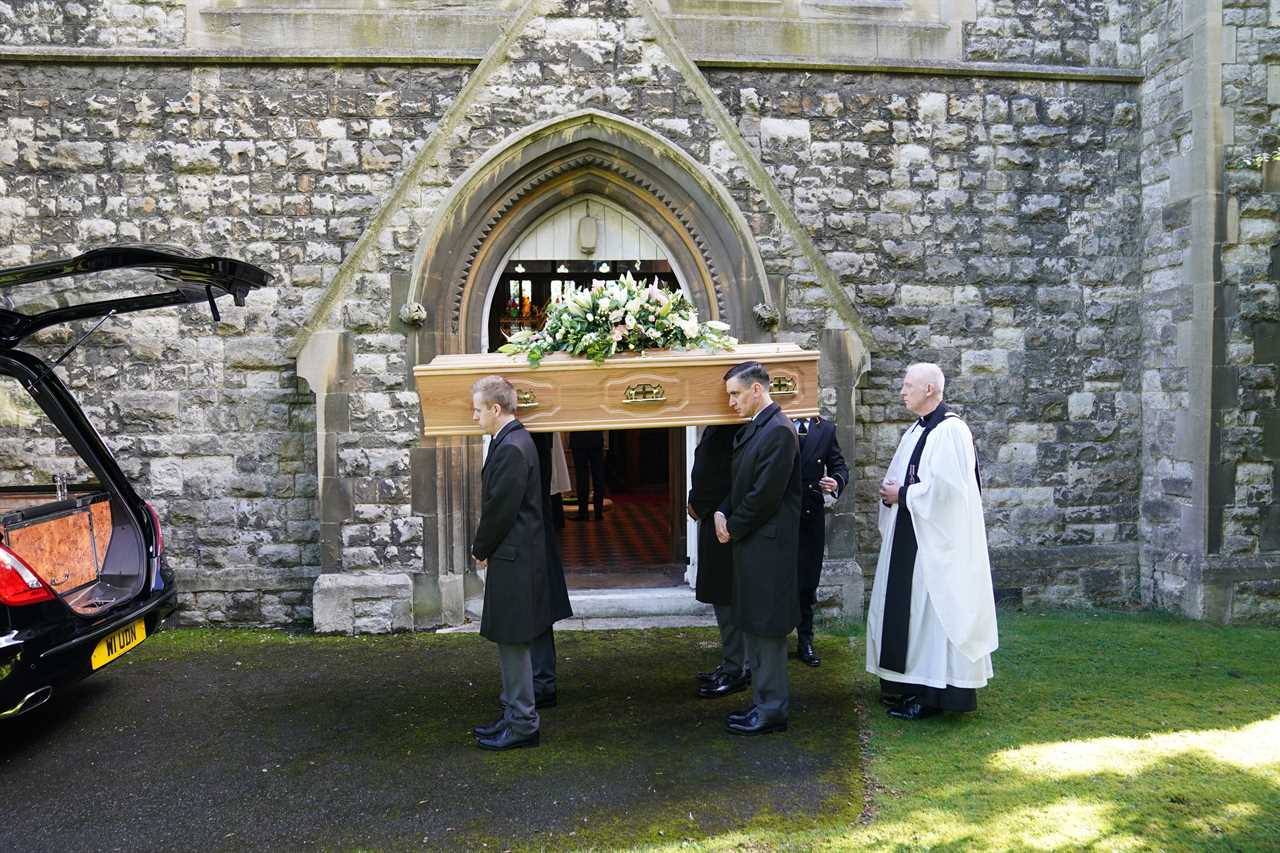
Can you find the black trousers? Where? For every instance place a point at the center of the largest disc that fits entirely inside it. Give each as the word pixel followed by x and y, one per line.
pixel 589 462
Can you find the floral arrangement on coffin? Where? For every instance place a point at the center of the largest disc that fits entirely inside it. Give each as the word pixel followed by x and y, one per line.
pixel 622 315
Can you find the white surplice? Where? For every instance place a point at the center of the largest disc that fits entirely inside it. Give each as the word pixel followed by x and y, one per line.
pixel 952 629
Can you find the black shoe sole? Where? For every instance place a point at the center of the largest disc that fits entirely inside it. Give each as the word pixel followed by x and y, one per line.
pixel 763 730
pixel 520 744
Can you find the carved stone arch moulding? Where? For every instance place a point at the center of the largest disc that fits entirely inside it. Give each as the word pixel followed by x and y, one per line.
pixel 507 192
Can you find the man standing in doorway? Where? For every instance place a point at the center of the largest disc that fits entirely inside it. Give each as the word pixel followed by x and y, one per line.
pixel 762 519
pixel 510 544
pixel 709 484
pixel 824 475
pixel 588 467
pixel 931 623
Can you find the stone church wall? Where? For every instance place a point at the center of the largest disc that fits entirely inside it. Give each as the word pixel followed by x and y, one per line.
pixel 1055 32
pixel 989 226
pixel 283 167
pixel 93 23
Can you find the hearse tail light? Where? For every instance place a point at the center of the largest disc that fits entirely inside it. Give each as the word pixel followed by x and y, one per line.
pixel 155 524
pixel 19 585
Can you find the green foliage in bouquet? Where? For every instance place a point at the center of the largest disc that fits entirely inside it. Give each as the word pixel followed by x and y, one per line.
pixel 623 315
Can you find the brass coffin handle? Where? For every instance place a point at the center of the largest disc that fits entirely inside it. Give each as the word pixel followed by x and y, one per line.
pixel 783 386
pixel 526 399
pixel 645 392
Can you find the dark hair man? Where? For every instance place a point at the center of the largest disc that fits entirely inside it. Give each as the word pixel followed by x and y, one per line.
pixel 762 518
pixel 823 474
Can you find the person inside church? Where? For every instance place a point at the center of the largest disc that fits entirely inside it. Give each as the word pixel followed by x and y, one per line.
pixel 509 545
pixel 588 467
pixel 931 622
pixel 709 483
pixel 824 475
pixel 761 517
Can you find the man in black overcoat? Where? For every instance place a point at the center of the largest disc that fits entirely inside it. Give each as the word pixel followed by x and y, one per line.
pixel 823 472
pixel 709 484
pixel 510 544
pixel 762 520
pixel 542 651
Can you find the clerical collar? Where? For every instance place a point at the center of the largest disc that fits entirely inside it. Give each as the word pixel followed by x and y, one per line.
pixel 931 420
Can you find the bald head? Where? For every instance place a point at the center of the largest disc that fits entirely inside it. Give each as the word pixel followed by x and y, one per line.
pixel 922 387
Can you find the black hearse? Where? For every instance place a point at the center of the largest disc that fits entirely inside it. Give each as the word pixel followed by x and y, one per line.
pixel 82 572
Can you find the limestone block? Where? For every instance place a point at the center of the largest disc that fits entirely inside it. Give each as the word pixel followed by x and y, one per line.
pixel 364 603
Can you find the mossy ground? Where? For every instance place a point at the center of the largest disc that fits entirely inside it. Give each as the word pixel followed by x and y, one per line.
pixel 1100 731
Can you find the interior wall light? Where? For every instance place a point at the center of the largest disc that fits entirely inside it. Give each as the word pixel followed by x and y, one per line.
pixel 519 267
pixel 562 269
pixel 604 267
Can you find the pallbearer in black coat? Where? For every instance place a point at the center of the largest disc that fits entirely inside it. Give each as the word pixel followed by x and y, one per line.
pixel 709 483
pixel 762 520
pixel 511 545
pixel 542 650
pixel 823 473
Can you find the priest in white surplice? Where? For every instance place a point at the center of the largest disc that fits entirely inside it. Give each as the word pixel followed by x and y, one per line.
pixel 931 624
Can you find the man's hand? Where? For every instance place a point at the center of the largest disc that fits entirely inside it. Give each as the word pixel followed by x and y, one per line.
pixel 889 491
pixel 722 528
pixel 482 565
pixel 829 485
pixel 693 513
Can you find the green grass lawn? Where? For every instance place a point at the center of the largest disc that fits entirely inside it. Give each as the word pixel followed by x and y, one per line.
pixel 1099 731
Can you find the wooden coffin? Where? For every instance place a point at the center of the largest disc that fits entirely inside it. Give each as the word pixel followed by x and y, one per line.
pixel 633 391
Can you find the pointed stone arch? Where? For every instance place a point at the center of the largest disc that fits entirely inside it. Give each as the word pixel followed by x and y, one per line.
pixel 536 170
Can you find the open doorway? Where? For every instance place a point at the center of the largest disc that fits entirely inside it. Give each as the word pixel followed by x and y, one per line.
pixel 639 540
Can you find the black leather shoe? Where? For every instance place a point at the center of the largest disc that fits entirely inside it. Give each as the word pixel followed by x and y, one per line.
pixel 709 676
pixel 890 699
pixel 755 724
pixel 739 716
pixel 546 700
pixel 491 729
pixel 805 652
pixel 507 739
pixel 911 709
pixel 724 684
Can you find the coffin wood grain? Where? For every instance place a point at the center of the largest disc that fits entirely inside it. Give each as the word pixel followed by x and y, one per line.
pixel 569 394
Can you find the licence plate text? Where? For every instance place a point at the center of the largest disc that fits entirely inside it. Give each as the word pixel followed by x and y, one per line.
pixel 118 642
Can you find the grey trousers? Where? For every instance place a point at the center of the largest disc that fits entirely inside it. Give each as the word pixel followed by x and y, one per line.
pixel 517 688
pixel 770 683
pixel 733 650
pixel 542 654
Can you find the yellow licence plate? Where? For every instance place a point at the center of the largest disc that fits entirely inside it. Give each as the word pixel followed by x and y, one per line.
pixel 118 642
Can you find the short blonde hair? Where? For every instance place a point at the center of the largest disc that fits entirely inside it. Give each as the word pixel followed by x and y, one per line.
pixel 496 389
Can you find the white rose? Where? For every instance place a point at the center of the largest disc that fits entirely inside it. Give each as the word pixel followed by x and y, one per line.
pixel 716 325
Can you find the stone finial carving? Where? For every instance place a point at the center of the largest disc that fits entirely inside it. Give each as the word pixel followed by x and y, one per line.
pixel 766 316
pixel 413 313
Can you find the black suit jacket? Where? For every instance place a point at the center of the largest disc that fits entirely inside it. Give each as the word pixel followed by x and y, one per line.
pixel 817 449
pixel 763 512
pixel 556 587
pixel 709 485
pixel 511 537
